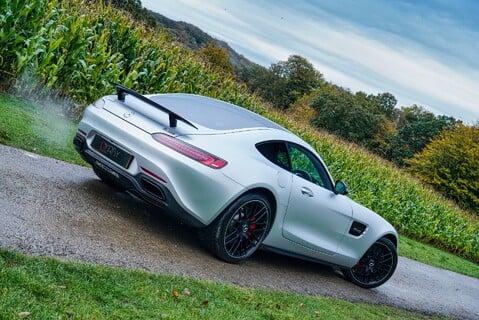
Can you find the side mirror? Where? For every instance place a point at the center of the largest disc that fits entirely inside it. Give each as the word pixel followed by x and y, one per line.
pixel 341 188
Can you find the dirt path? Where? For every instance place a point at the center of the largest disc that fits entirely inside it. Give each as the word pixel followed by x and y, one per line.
pixel 49 207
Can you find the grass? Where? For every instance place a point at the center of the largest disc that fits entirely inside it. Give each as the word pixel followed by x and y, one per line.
pixel 432 256
pixel 24 126
pixel 45 288
pixel 39 129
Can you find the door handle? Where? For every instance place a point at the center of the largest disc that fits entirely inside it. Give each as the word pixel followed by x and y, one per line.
pixel 307 192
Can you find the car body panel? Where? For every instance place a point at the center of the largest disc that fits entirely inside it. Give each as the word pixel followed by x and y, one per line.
pixel 317 219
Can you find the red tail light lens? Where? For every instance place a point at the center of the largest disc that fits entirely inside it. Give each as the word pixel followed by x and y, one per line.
pixel 190 151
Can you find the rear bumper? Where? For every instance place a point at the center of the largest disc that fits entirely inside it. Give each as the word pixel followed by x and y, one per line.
pixel 140 185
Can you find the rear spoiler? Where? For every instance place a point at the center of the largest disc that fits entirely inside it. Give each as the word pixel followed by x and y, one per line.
pixel 173 117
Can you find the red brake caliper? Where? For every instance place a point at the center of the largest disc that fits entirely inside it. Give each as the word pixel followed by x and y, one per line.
pixel 251 226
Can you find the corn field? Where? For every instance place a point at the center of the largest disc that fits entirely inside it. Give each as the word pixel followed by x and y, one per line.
pixel 76 49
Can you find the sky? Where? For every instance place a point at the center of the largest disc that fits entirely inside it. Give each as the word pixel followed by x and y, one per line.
pixel 423 52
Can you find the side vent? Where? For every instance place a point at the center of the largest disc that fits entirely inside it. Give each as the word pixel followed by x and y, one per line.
pixel 357 229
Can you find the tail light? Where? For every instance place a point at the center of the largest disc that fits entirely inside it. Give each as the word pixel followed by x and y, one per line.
pixel 190 151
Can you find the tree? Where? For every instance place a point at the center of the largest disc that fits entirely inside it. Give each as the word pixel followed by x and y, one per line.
pixel 450 163
pixel 387 105
pixel 266 84
pixel 300 74
pixel 285 82
pixel 416 127
pixel 217 57
pixel 359 117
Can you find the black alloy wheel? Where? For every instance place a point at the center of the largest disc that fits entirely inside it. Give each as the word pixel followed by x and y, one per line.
pixel 376 266
pixel 238 233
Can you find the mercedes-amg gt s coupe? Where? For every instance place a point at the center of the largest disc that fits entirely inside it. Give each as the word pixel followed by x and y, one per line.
pixel 244 181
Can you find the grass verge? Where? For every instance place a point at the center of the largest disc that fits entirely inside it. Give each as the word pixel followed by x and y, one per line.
pixel 39 129
pixel 427 254
pixel 28 126
pixel 44 288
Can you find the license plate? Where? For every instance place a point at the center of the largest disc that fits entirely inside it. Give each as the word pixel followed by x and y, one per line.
pixel 111 151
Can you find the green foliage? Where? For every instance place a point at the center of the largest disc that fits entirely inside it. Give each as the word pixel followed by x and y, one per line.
pixel 374 122
pixel 300 74
pixel 76 50
pixel 43 288
pixel 217 57
pixel 415 128
pixel 359 118
pixel 387 105
pixel 450 163
pixel 284 82
pixel 267 85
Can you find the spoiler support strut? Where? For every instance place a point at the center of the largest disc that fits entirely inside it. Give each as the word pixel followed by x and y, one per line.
pixel 173 116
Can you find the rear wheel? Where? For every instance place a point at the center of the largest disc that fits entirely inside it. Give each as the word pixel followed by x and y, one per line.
pixel 238 233
pixel 376 266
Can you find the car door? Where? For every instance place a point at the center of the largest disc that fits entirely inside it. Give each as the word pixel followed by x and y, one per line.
pixel 316 217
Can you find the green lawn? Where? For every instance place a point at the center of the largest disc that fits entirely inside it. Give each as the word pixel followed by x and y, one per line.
pixel 45 288
pixel 39 129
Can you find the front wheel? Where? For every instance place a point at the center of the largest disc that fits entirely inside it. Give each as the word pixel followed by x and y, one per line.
pixel 240 230
pixel 375 267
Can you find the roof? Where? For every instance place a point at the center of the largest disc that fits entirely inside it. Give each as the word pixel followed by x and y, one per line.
pixel 212 113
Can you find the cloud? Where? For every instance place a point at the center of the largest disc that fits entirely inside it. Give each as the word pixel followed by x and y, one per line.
pixel 402 54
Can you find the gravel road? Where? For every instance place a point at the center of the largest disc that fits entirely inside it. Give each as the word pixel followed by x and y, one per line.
pixel 52 208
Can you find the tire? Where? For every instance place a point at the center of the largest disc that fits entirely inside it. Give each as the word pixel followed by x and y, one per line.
pixel 107 180
pixel 240 230
pixel 375 267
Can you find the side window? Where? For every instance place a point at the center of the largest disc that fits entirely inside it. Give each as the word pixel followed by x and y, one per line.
pixel 305 165
pixel 275 152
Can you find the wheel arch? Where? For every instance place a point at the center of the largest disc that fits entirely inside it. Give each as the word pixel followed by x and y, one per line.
pixel 269 195
pixel 256 190
pixel 392 238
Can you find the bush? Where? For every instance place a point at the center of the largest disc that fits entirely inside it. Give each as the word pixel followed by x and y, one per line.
pixel 450 163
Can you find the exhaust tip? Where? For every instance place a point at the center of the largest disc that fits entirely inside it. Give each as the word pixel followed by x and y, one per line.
pixel 79 143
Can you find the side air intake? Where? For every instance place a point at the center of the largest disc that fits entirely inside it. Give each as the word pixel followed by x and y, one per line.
pixel 357 229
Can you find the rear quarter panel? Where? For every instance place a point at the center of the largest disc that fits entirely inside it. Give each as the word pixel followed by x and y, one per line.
pixel 202 191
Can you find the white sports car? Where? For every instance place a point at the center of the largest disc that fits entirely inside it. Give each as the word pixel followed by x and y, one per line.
pixel 242 180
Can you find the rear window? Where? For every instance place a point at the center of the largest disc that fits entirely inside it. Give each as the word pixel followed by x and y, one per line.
pixel 276 152
pixel 212 113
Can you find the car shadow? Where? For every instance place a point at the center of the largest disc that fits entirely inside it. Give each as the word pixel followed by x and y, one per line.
pixel 163 226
